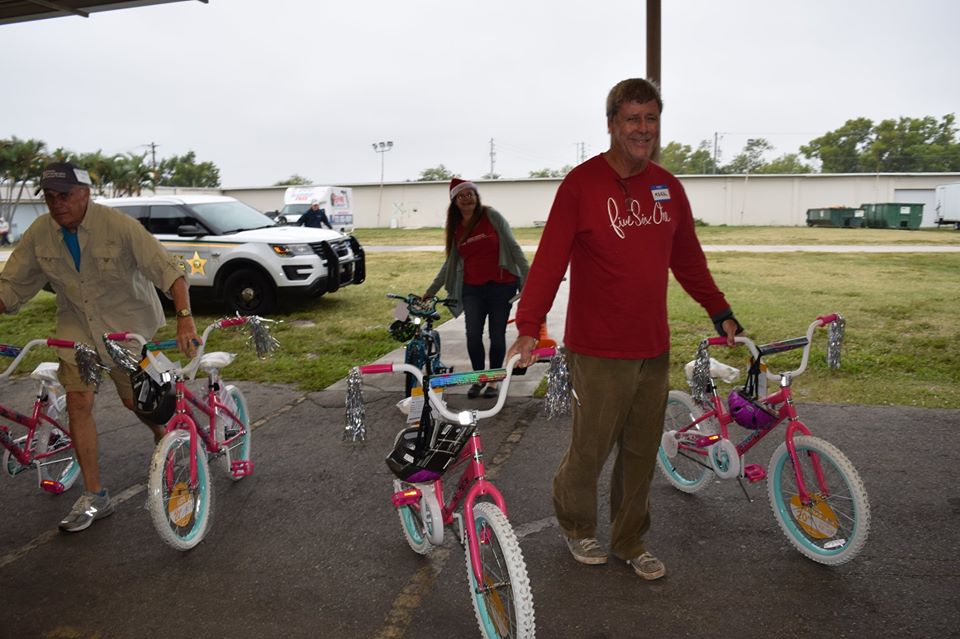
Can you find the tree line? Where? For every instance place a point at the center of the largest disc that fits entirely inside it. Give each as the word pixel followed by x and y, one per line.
pixel 118 175
pixel 904 145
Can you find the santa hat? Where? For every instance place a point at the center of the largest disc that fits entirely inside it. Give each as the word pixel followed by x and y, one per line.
pixel 457 185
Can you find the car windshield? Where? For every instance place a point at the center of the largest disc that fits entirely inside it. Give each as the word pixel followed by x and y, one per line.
pixel 295 209
pixel 230 217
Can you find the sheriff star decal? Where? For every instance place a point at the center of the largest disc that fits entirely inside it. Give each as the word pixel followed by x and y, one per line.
pixel 197 264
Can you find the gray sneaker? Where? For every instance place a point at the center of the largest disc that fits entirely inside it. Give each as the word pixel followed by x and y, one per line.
pixel 89 507
pixel 587 551
pixel 648 566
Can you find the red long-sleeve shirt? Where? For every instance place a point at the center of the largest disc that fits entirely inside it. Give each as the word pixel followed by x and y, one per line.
pixel 619 237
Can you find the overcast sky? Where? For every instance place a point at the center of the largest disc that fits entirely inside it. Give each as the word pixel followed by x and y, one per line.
pixel 267 89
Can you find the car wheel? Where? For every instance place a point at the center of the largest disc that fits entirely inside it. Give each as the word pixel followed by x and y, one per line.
pixel 250 293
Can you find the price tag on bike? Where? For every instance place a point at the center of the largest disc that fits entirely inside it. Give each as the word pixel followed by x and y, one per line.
pixel 416 404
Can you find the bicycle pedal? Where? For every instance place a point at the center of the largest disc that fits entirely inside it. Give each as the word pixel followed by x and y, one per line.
pixel 241 468
pixel 52 487
pixel 754 473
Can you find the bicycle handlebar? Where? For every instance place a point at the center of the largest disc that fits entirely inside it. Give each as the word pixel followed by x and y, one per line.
pixel 457 379
pixel 782 345
pixel 421 306
pixel 190 370
pixel 18 353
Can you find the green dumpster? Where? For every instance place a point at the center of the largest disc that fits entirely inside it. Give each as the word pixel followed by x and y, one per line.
pixel 893 215
pixel 835 216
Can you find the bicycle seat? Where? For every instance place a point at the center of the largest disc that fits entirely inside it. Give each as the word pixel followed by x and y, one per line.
pixel 217 359
pixel 46 372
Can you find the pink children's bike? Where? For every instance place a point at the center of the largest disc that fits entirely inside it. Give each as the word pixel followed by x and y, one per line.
pixel 46 447
pixel 200 428
pixel 816 494
pixel 436 441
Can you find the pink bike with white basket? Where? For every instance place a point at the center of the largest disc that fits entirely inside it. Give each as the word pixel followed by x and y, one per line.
pixel 816 494
pixel 424 452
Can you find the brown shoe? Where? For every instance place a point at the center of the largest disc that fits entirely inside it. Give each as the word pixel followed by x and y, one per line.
pixel 648 566
pixel 587 551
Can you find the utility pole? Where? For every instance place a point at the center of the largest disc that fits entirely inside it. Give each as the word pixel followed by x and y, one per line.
pixel 381 148
pixel 493 159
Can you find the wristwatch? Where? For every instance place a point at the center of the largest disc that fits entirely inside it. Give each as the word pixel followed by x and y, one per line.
pixel 184 312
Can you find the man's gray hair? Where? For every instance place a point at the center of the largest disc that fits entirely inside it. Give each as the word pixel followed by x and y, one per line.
pixel 632 90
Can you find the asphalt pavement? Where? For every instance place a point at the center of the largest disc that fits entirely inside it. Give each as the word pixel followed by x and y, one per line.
pixel 310 546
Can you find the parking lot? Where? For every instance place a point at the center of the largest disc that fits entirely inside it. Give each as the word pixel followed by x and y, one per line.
pixel 310 546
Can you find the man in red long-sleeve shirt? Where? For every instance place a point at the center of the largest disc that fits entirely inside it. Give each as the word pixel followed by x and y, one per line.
pixel 620 222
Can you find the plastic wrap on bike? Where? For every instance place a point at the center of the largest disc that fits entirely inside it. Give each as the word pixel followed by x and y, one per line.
pixel 356 430
pixel 557 400
pixel 835 334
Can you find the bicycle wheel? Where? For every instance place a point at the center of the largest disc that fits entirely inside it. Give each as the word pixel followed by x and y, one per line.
pixel 227 428
pixel 417 528
pixel 686 470
pixel 63 466
pixel 181 513
pixel 834 527
pixel 504 603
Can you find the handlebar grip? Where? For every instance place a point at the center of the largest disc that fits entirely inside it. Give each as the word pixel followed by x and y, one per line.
pixel 232 321
pixel 394 296
pixel 117 337
pixel 544 353
pixel 374 369
pixel 60 343
pixel 717 341
pixel 826 319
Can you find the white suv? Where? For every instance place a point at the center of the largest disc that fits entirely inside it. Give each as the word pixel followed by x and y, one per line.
pixel 242 256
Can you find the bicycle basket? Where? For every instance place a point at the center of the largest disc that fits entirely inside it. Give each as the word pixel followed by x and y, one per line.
pixel 154 402
pixel 419 456
pixel 748 412
pixel 402 330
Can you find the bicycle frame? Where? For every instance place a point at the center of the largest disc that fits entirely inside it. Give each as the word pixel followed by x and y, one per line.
pixel 786 412
pixel 186 401
pixel 472 483
pixel 27 455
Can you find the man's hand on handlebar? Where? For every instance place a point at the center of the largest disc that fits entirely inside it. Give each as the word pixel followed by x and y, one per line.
pixel 524 345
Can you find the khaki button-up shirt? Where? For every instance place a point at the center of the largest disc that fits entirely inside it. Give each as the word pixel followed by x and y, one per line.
pixel 120 264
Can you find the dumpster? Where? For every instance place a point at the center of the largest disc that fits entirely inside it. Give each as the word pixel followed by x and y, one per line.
pixel 835 216
pixel 893 215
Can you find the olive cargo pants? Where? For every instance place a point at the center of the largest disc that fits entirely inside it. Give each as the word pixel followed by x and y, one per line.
pixel 621 403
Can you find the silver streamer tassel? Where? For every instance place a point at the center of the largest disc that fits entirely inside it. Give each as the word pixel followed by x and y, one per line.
pixel 355 430
pixel 557 400
pixel 260 336
pixel 701 372
pixel 835 333
pixel 121 356
pixel 89 365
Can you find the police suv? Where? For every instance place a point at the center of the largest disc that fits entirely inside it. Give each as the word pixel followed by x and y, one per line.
pixel 240 255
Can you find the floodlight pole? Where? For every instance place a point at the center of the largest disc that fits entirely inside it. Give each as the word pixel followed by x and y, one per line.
pixel 381 148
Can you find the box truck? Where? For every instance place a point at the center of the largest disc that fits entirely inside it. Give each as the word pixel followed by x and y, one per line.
pixel 337 201
pixel 948 204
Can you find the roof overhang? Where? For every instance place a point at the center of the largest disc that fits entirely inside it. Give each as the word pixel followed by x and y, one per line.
pixel 25 10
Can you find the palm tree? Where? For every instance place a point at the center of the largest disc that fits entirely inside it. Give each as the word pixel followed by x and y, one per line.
pixel 21 162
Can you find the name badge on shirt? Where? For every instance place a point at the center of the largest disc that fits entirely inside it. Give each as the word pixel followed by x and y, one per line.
pixel 660 193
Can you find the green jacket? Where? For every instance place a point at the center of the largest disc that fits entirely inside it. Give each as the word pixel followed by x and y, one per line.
pixel 512 259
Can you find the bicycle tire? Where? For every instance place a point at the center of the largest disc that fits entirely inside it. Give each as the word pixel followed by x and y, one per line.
pixel 834 529
pixel 181 514
pixel 52 439
pixel 239 449
pixel 415 529
pixel 502 567
pixel 683 471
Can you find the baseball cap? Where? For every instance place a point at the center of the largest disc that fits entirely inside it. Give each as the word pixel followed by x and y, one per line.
pixel 61 177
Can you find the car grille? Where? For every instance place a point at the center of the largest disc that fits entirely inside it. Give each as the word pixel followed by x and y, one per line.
pixel 340 247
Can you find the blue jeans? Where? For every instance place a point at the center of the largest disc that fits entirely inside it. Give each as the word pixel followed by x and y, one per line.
pixel 483 303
